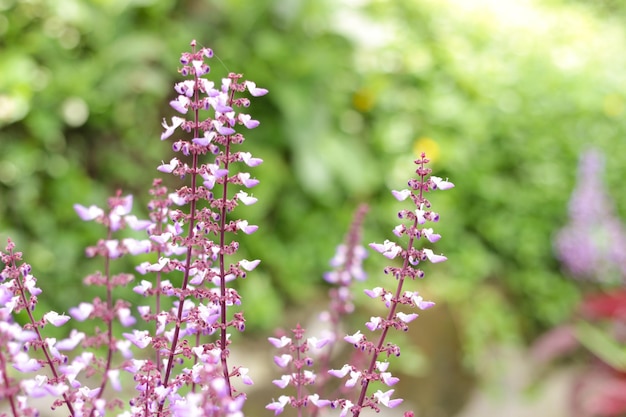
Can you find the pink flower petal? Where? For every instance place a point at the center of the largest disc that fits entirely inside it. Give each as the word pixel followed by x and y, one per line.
pixel 249 265
pixel 401 195
pixel 56 319
pixel 279 343
pixel 282 360
pixel 169 130
pixel 278 406
pixel 440 184
pixel 254 90
pixel 88 213
pixel 434 258
pixel 354 338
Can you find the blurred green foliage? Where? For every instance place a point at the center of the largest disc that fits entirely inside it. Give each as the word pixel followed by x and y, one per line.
pixel 502 95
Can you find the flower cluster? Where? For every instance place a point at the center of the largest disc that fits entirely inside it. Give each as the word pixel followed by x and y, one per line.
pixel 411 257
pixel 592 246
pixel 348 267
pixel 309 385
pixel 180 373
pixel 199 236
pixel 174 345
pixel 18 293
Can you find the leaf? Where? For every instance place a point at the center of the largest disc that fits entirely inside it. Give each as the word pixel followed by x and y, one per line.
pixel 599 342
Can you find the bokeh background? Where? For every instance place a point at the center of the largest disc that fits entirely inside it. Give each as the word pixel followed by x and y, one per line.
pixel 503 95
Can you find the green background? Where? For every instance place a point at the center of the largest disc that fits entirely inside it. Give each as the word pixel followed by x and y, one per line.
pixel 504 96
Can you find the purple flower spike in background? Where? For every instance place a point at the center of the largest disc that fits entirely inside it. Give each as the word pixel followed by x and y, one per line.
pixel 592 246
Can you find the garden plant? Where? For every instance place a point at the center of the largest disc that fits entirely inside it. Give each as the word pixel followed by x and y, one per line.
pixel 591 248
pixel 172 351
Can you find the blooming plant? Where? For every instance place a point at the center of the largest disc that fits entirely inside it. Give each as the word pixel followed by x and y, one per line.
pixel 175 347
pixel 592 249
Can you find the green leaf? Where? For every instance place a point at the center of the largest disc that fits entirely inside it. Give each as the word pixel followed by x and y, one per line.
pixel 601 344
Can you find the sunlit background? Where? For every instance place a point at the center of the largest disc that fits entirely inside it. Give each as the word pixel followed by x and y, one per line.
pixel 503 95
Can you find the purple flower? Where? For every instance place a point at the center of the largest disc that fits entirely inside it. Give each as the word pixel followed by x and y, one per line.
pixel 82 312
pixel 136 224
pixel 169 130
pixel 206 139
pixel 374 323
pixel 430 235
pixel 283 360
pixel 592 245
pixel 254 90
pixel 401 195
pixel 440 184
pixel 316 401
pixel 185 88
pixel 247 158
pixel 388 379
pixel 340 373
pixel 418 301
pixel 346 408
pixel 245 179
pixel 282 382
pixel 200 67
pixel 114 379
pixel 72 341
pixel 124 348
pixel 434 258
pixel 247 121
pixel 30 285
pixel 126 319
pixel 177 199
pixel 23 363
pixel 354 338
pixel 245 378
pixel 223 129
pixel 39 387
pixel 249 265
pixel 245 198
pixel 88 213
pixel 316 343
pixel 162 238
pixel 113 248
pixel 384 398
pixel 246 228
pixel 56 319
pixel 278 406
pixel 139 338
pixel 354 378
pixel 136 247
pixel 388 249
pixel 169 167
pixel 374 293
pixel 162 263
pixel 421 215
pixel 279 343
pixel 181 104
pixel 407 318
pixel 142 268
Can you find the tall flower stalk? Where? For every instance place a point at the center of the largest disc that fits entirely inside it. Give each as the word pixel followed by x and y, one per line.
pixel 347 262
pixel 18 293
pixel 414 228
pixel 211 200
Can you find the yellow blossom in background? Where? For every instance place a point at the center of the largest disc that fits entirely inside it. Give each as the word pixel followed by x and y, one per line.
pixel 363 100
pixel 613 105
pixel 428 145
